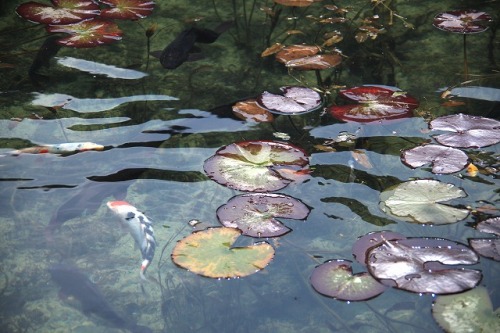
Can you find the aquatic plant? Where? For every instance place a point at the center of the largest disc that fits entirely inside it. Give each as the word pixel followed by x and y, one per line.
pixel 488 247
pixel 374 103
pixel 295 100
pixel 256 214
pixel 210 253
pixel 364 243
pixel 443 159
pixel 463 22
pixel 88 22
pixel 251 111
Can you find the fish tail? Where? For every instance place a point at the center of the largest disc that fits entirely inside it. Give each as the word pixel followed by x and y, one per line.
pixel 144 267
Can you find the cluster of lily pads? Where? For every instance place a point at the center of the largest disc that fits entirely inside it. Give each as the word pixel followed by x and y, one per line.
pixel 89 23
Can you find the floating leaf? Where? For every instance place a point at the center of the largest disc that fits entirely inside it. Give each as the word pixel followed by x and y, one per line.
pixel 375 103
pixel 335 279
pixel 250 110
pixel 275 48
pixel 296 3
pixel 209 253
pixel 257 166
pixel 62 11
pixel 364 243
pixel 305 57
pixel 85 34
pixel 462 21
pixel 127 9
pixel 420 265
pixel 443 159
pixel 469 131
pixel 255 214
pixel 295 100
pixel 487 247
pixel 491 226
pixel 470 311
pixel 419 201
pixel 293 52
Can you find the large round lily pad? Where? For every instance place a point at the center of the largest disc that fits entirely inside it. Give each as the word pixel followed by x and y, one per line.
pixel 255 214
pixel 364 243
pixel 444 160
pixel 209 253
pixel 295 100
pixel 335 279
pixel 421 265
pixel 127 9
pixel 468 131
pixel 420 201
pixel 257 166
pixel 86 34
pixel 470 311
pixel 462 21
pixel 62 11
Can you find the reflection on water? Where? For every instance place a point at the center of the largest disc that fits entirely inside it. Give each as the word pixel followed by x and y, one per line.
pixel 160 126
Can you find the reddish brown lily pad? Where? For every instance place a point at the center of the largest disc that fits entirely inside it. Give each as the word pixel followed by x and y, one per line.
pixel 444 160
pixel 255 214
pixel 295 100
pixel 257 166
pixel 335 279
pixel 250 110
pixel 424 265
pixel 375 103
pixel 210 253
pixel 293 52
pixel 462 21
pixel 468 131
pixel 62 11
pixel 306 57
pixel 87 34
pixel 127 9
pixel 364 243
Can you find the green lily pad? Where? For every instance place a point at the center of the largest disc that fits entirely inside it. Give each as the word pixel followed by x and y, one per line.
pixel 255 213
pixel 257 166
pixel 334 278
pixel 470 311
pixel 209 253
pixel 419 201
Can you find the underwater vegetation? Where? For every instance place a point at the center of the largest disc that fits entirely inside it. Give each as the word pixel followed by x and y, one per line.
pixel 326 188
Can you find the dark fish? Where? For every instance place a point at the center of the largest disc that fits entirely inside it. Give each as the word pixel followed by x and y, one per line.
pixel 47 51
pixel 75 283
pixel 183 49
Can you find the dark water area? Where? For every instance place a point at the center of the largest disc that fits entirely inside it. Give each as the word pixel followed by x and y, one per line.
pixel 158 126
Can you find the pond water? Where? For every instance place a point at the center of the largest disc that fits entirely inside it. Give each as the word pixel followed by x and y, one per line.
pixel 158 128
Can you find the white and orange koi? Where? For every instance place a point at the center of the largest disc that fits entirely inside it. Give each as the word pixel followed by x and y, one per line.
pixel 141 229
pixel 61 148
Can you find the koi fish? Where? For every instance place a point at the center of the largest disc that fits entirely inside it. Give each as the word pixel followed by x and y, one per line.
pixel 140 228
pixel 182 48
pixel 61 148
pixel 75 283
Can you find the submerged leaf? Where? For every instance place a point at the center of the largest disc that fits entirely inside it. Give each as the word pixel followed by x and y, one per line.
pixel 257 166
pixel 255 214
pixel 209 253
pixel 335 279
pixel 423 265
pixel 469 131
pixel 470 311
pixel 443 159
pixel 419 201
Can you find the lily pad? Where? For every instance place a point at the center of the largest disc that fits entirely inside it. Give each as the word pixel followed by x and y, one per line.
pixel 296 3
pixel 364 243
pixel 306 57
pixel 420 201
pixel 470 311
pixel 421 265
pixel 295 100
pixel 487 247
pixel 444 160
pixel 462 21
pixel 209 253
pixel 375 103
pixel 251 111
pixel 87 34
pixel 62 11
pixel 255 214
pixel 257 166
pixel 127 9
pixel 335 279
pixel 490 226
pixel 468 131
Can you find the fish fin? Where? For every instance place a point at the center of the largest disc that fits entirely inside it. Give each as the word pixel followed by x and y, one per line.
pixel 195 56
pixel 224 26
pixel 156 54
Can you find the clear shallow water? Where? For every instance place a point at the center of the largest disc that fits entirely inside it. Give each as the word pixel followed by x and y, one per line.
pixel 155 149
